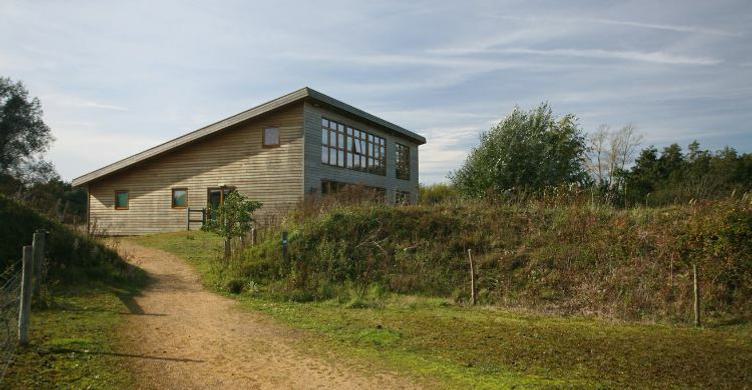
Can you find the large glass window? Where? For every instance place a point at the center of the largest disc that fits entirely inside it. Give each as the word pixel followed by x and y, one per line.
pixel 348 147
pixel 353 192
pixel 402 161
pixel 121 200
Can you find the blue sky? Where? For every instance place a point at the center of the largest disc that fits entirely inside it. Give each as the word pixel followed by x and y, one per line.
pixel 115 78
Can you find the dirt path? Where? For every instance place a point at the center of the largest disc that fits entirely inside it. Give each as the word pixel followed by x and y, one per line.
pixel 183 336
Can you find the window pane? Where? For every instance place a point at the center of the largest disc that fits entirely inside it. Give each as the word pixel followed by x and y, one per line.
pixel 324 136
pixel 324 122
pixel 349 160
pixel 333 156
pixel 271 136
pixel 121 200
pixel 324 154
pixel 349 131
pixel 340 127
pixel 341 140
pixel 179 198
pixel 332 138
pixel 341 158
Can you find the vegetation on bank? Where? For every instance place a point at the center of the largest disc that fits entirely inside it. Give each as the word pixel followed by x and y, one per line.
pixel 572 259
pixel 73 329
pixel 486 346
pixel 74 340
pixel 70 255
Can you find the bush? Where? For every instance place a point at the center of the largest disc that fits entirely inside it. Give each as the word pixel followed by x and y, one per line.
pixel 572 259
pixel 235 286
pixel 69 254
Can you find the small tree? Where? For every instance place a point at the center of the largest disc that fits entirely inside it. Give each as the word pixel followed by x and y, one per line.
pixel 234 218
pixel 529 151
pixel 23 134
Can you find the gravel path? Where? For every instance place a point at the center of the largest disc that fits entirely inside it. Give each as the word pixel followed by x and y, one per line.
pixel 181 336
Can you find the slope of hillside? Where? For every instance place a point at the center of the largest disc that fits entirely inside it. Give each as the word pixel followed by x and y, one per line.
pixel 631 264
pixel 69 254
pixel 74 322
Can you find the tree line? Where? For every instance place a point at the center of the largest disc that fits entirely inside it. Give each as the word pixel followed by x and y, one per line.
pixel 24 173
pixel 530 152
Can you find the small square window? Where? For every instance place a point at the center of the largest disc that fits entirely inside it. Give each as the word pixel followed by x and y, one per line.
pixel 271 137
pixel 121 200
pixel 179 198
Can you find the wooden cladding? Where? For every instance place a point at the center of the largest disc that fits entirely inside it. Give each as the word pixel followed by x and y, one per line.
pixel 347 147
pixel 235 157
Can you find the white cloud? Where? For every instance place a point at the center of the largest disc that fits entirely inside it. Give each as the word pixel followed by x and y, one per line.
pixel 665 27
pixel 81 147
pixel 548 21
pixel 68 101
pixel 658 57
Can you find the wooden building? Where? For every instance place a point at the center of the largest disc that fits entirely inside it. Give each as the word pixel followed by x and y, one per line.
pixel 281 152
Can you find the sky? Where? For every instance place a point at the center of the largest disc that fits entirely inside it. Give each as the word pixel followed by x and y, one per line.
pixel 115 78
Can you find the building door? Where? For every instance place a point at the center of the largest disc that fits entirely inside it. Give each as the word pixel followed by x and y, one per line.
pixel 216 197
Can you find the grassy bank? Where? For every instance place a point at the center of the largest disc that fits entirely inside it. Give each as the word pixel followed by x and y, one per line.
pixel 488 347
pixel 571 259
pixel 73 342
pixel 74 322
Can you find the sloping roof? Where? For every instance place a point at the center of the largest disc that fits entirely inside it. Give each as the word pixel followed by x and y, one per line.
pixel 303 93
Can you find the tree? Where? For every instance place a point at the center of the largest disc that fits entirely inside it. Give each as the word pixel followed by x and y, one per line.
pixel 527 151
pixel 234 218
pixel 609 152
pixel 23 134
pixel 674 176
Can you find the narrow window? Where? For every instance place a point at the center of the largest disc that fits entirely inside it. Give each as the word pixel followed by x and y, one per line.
pixel 271 137
pixel 402 161
pixel 121 200
pixel 179 198
pixel 402 198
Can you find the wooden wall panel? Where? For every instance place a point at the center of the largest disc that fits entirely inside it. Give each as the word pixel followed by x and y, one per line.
pixel 233 157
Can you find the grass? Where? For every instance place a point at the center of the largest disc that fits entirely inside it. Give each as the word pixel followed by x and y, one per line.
pixel 73 342
pixel 435 340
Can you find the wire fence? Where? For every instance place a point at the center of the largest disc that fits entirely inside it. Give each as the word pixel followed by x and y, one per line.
pixel 9 307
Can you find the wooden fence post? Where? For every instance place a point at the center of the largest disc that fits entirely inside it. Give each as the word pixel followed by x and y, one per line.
pixel 472 277
pixel 284 247
pixel 696 290
pixel 253 236
pixel 38 255
pixel 25 298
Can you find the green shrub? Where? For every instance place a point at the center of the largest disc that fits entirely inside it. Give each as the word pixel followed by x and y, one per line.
pixel 574 259
pixel 235 286
pixel 69 254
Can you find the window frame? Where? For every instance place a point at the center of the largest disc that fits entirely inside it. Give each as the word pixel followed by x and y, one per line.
pixel 172 201
pixel 344 146
pixel 127 199
pixel 402 164
pixel 332 187
pixel 263 137
pixel 402 198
